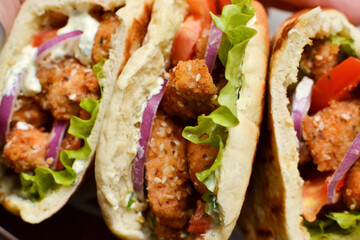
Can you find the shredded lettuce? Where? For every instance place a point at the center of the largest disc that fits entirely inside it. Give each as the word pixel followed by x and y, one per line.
pixel 36 186
pixel 338 225
pixel 211 207
pixel 212 129
pixel 346 44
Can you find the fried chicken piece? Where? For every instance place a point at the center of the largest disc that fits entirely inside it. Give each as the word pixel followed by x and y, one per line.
pixel 200 221
pixel 26 148
pixel 190 90
pixel 166 173
pixel 29 111
pixel 200 47
pixel 351 194
pixel 102 42
pixel 320 58
pixel 330 132
pixel 64 85
pixel 200 158
pixel 69 142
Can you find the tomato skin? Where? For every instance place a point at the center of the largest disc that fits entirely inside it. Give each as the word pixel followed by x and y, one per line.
pixel 43 37
pixel 314 194
pixel 336 85
pixel 224 2
pixel 191 29
pixel 186 39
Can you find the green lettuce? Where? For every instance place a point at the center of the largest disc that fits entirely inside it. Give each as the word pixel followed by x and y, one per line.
pixel 211 207
pixel 346 44
pixel 212 129
pixel 337 225
pixel 37 185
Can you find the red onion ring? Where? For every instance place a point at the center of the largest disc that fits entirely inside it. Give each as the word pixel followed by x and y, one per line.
pixel 145 130
pixel 212 47
pixel 301 103
pixel 350 158
pixel 7 108
pixel 47 46
pixel 56 137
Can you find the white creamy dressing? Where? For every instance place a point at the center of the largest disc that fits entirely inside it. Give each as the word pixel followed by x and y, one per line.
pixel 79 166
pixel 23 125
pixel 26 66
pixel 81 49
pixel 88 25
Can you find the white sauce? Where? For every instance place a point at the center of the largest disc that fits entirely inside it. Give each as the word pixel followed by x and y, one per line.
pixel 23 126
pixel 25 65
pixel 79 166
pixel 89 26
pixel 81 49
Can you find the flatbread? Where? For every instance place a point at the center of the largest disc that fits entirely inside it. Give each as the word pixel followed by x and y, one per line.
pixel 273 206
pixel 134 16
pixel 119 137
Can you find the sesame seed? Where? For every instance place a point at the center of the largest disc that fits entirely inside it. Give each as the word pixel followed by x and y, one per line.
pixel 157 180
pixel 163 180
pixel 198 76
pixel 319 57
pixel 178 195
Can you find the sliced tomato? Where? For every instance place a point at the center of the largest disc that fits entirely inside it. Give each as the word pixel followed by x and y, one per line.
pixel 201 9
pixel 43 37
pixel 191 29
pixel 186 39
pixel 224 2
pixel 314 194
pixel 336 85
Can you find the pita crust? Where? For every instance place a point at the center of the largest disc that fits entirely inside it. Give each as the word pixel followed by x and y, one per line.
pixel 113 166
pixel 273 205
pixel 26 25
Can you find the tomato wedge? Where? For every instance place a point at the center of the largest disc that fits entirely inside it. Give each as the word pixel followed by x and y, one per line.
pixel 191 29
pixel 224 2
pixel 186 39
pixel 314 194
pixel 43 37
pixel 336 85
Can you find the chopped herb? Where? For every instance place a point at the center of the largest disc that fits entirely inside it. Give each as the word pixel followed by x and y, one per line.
pixel 132 199
pixel 211 207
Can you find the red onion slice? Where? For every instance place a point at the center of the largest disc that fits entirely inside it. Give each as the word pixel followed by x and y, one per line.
pixel 350 158
pixel 7 107
pixel 56 137
pixel 212 47
pixel 47 46
pixel 301 103
pixel 145 130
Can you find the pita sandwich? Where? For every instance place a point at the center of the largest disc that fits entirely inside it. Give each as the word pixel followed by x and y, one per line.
pixel 135 150
pixel 298 189
pixel 59 66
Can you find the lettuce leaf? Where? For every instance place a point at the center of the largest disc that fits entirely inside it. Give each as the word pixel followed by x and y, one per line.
pixel 211 207
pixel 346 44
pixel 338 225
pixel 36 186
pixel 212 129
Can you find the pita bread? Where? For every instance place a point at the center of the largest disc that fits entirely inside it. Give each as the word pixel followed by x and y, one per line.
pixel 273 206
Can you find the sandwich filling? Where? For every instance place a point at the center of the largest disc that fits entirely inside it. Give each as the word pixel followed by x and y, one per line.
pixel 51 98
pixel 327 129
